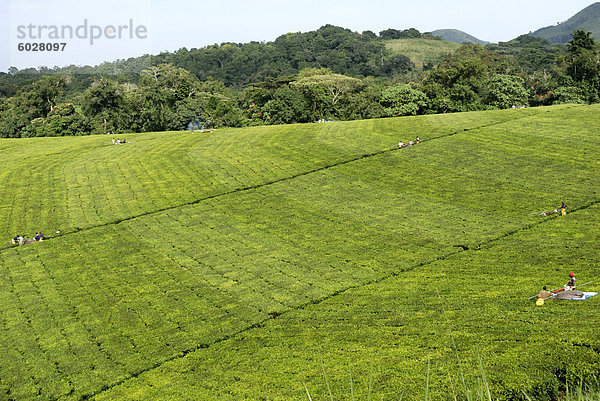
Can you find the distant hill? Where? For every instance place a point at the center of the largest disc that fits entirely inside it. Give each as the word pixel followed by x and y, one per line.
pixel 587 19
pixel 422 52
pixel 456 36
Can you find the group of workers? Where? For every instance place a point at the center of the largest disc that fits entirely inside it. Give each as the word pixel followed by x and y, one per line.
pixel 545 294
pixel 19 239
pixel 406 144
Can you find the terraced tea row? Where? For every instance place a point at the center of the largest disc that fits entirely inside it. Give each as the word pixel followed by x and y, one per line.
pixel 91 310
pixel 68 183
pixel 381 338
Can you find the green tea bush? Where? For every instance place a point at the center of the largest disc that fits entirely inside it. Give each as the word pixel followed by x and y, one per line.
pixel 244 263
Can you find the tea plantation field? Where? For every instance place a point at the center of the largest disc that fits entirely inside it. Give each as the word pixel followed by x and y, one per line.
pixel 303 261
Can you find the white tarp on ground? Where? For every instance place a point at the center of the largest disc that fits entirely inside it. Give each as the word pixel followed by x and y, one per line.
pixel 574 295
pixel 585 295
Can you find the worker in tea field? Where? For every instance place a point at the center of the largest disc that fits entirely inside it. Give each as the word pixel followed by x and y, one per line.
pixel 563 209
pixel 544 293
pixel 404 145
pixel 572 282
pixel 542 296
pixel 18 240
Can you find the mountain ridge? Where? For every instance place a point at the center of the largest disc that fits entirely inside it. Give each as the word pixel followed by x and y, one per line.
pixel 587 19
pixel 458 36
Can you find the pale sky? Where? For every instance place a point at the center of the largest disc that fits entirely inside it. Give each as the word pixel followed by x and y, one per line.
pixel 152 26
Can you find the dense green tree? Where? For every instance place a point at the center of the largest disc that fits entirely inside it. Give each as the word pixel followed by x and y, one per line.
pixel 259 93
pixel 103 103
pixel 366 103
pixel 538 84
pixel 390 34
pixel 341 50
pixel 410 33
pixel 15 114
pixel 461 82
pixel 46 91
pixel 63 120
pixel 187 114
pixel 583 60
pixel 330 73
pixel 533 54
pixel 577 75
pixel 397 64
pixel 325 90
pixel 175 83
pixel 7 87
pixel 220 111
pixel 568 94
pixel 33 101
pixel 581 41
pixel 336 85
pixel 505 91
pixel 160 90
pixel 287 106
pixel 402 100
pixel 369 34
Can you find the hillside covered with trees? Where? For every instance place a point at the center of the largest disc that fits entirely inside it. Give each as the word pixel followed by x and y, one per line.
pixel 587 19
pixel 328 74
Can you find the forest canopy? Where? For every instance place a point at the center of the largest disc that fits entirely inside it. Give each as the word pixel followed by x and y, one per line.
pixel 328 74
